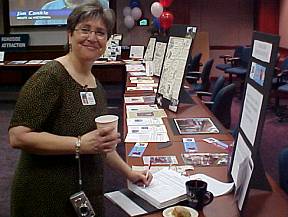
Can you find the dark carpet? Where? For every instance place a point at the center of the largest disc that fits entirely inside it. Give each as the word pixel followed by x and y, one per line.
pixel 274 138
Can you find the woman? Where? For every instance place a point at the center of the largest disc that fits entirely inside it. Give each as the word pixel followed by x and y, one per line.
pixel 51 122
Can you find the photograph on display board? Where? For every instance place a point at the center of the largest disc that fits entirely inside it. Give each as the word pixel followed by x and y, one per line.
pixel 257 73
pixel 173 72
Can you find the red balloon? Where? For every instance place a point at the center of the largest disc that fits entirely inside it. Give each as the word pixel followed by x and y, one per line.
pixel 166 20
pixel 166 3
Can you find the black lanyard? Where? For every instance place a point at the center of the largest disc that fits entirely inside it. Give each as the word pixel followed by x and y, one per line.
pixel 77 156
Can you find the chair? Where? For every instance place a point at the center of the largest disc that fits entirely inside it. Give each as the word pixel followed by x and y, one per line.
pixel 204 76
pixel 228 59
pixel 194 63
pixel 283 89
pixel 221 107
pixel 280 83
pixel 283 169
pixel 240 65
pixel 219 83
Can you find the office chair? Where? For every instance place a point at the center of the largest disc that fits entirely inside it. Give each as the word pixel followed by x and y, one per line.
pixel 283 169
pixel 283 114
pixel 221 107
pixel 240 65
pixel 228 59
pixel 280 85
pixel 204 77
pixel 194 64
pixel 219 83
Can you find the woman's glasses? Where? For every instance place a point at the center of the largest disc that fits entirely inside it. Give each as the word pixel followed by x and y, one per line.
pixel 84 32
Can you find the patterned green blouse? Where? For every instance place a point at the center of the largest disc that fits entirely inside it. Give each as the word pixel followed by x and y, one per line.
pixel 50 102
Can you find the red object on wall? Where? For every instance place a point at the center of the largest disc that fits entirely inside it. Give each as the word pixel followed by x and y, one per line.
pixel 166 3
pixel 166 20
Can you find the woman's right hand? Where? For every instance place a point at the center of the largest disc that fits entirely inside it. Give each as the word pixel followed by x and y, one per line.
pixel 102 140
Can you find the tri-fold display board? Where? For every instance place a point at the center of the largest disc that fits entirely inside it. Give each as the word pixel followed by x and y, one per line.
pixel 246 167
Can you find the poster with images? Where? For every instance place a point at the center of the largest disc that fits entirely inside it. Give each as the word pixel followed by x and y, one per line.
pixel 205 159
pixel 257 73
pixel 191 32
pixel 173 71
pixel 158 59
pixel 148 56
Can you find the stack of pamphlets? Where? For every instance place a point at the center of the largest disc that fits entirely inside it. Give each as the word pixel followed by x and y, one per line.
pixel 145 124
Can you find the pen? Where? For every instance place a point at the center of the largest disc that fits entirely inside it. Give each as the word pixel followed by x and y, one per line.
pixel 147 172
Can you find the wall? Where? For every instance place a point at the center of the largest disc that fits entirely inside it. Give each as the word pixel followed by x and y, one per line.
pixel 225 27
pixel 1 18
pixel 283 23
pixel 267 16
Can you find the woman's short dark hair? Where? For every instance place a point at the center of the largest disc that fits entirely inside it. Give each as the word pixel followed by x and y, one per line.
pixel 88 10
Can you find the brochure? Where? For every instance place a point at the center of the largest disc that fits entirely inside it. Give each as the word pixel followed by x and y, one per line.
pixel 195 125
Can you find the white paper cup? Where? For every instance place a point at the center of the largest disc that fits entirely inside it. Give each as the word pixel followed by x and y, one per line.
pixel 105 121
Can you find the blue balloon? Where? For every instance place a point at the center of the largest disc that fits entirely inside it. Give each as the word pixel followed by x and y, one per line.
pixel 134 4
pixel 156 22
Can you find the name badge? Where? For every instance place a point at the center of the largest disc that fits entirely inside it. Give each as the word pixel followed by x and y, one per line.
pixel 87 98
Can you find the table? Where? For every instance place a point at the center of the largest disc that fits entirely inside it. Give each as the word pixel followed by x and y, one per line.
pixel 101 69
pixel 259 204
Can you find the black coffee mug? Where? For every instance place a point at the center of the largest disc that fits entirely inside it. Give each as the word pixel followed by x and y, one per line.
pixel 197 194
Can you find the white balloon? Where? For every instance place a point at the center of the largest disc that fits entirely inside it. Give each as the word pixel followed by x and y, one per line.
pixel 136 13
pixel 156 9
pixel 129 22
pixel 126 11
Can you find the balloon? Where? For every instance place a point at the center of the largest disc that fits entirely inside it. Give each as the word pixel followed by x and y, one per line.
pixel 126 11
pixel 129 22
pixel 166 3
pixel 134 3
pixel 166 20
pixel 136 13
pixel 156 22
pixel 156 9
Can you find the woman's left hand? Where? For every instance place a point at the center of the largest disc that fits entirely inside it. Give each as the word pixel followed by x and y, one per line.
pixel 141 178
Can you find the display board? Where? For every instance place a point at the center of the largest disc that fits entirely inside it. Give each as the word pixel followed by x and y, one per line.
pixel 113 47
pixel 173 72
pixel 246 167
pixel 159 54
pixel 149 52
